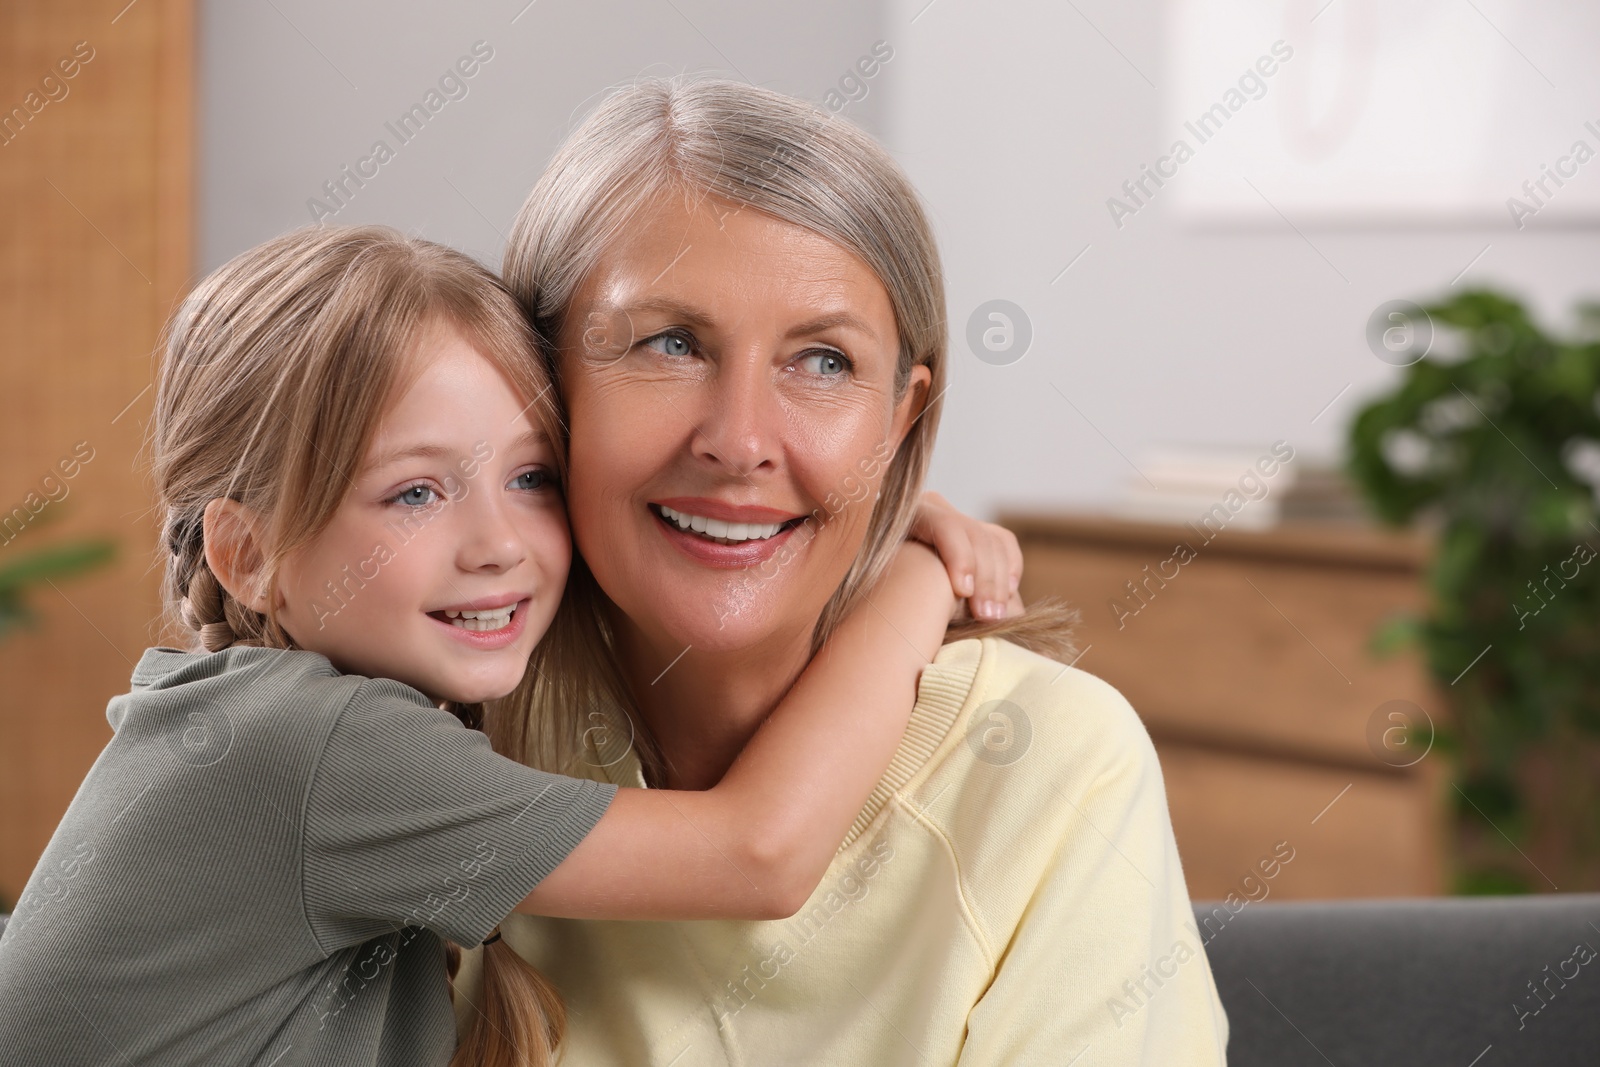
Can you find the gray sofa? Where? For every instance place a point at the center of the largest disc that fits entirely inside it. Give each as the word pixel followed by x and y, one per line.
pixel 1462 982
pixel 1465 982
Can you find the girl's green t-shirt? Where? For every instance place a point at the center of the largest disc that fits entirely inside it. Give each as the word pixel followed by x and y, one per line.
pixel 261 864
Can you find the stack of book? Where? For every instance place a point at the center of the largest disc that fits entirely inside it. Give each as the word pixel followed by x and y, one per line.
pixel 1256 488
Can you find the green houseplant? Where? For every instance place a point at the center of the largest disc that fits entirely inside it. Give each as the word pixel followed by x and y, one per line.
pixel 1494 441
pixel 20 577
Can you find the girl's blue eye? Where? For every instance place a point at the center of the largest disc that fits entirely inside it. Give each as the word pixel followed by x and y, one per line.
pixel 533 480
pixel 408 497
pixel 826 362
pixel 672 344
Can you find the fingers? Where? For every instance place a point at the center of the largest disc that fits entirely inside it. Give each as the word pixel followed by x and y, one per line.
pixel 960 558
pixel 999 563
pixel 948 531
pixel 987 603
pixel 1013 560
pixel 983 560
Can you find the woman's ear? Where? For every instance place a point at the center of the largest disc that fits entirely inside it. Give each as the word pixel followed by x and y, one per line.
pixel 233 551
pixel 910 406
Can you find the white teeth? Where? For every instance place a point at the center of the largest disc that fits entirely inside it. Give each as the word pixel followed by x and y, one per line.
pixel 482 621
pixel 729 532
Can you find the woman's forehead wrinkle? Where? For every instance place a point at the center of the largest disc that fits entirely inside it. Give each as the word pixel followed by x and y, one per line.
pixel 706 270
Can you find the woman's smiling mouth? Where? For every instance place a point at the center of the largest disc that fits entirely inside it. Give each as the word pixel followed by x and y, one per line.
pixel 720 530
pixel 723 535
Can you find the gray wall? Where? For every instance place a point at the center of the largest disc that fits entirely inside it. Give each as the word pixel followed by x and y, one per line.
pixel 1016 119
pixel 293 90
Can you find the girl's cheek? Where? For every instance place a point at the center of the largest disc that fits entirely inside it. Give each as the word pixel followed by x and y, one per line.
pixel 554 542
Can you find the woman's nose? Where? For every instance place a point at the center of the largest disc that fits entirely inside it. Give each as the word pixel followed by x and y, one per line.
pixel 741 423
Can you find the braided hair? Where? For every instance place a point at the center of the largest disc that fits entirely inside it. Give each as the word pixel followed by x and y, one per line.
pixel 204 606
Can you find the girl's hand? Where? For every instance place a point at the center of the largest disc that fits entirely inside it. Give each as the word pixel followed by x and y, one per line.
pixel 983 560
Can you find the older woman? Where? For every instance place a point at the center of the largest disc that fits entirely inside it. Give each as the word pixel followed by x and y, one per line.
pixel 748 317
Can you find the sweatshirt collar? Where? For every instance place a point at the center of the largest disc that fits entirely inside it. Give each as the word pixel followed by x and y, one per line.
pixel 942 694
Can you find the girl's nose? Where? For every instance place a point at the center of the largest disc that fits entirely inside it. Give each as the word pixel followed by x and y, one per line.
pixel 490 539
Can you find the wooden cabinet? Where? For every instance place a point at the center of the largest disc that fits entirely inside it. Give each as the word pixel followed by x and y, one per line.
pixel 1247 656
pixel 95 152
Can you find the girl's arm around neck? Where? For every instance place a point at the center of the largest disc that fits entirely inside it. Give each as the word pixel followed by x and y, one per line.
pixel 756 845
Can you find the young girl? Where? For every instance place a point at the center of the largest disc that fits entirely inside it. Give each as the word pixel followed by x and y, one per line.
pixel 357 462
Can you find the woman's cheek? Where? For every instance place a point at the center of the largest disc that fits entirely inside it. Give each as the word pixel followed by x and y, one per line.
pixel 624 412
pixel 847 455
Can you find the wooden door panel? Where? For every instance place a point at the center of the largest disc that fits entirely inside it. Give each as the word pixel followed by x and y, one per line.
pixel 95 182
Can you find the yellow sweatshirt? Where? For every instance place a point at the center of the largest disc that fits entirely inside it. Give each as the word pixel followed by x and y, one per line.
pixel 1010 894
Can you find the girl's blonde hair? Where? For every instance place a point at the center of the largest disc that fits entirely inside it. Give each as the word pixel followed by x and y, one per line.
pixel 274 376
pixel 788 159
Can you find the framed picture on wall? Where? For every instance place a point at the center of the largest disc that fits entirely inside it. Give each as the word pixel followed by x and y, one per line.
pixel 1353 112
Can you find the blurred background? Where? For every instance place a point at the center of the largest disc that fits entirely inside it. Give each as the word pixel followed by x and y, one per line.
pixel 1267 325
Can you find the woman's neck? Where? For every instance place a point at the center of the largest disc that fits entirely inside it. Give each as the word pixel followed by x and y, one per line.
pixel 703 707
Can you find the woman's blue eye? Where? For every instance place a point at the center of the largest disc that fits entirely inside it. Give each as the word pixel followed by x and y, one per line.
pixel 828 364
pixel 672 344
pixel 408 496
pixel 532 480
